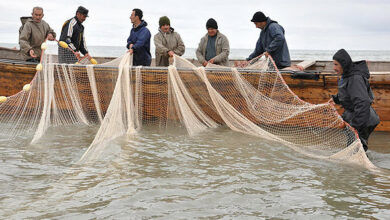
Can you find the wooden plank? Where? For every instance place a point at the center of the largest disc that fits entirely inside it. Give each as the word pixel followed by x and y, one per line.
pixel 383 126
pixel 306 63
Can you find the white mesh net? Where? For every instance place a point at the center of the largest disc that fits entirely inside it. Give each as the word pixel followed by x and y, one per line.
pixel 254 100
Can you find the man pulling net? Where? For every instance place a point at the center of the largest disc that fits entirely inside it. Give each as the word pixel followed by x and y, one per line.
pixel 72 33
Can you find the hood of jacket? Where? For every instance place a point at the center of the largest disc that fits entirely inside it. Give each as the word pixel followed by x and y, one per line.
pixel 360 68
pixel 345 61
pixel 24 19
pixel 171 30
pixel 351 68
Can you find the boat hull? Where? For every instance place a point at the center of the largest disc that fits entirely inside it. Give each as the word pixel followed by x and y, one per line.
pixel 15 74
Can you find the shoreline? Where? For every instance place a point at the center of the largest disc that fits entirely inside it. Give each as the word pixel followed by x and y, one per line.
pixel 237 53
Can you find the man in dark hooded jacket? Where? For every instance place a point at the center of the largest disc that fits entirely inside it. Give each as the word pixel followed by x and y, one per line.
pixel 138 42
pixel 271 41
pixel 355 95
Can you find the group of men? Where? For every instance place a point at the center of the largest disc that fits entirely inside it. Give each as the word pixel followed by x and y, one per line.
pixel 213 47
pixel 354 92
pixel 35 31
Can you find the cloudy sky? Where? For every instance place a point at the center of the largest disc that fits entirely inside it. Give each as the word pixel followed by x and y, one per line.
pixel 309 24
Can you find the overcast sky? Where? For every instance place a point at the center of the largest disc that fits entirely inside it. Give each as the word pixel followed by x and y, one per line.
pixel 309 24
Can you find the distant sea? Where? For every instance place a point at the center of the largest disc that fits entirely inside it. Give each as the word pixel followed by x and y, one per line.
pixel 115 51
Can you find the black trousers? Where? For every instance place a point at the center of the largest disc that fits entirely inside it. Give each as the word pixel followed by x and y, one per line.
pixel 364 133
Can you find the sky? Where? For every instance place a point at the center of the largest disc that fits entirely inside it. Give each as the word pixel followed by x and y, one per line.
pixel 308 24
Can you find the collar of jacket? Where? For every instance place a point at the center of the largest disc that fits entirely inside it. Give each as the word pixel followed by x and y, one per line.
pixel 217 34
pixel 141 25
pixel 171 30
pixel 31 20
pixel 78 22
pixel 269 21
pixel 358 68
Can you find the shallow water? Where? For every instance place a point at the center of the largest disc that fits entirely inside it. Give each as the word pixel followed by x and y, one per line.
pixel 169 175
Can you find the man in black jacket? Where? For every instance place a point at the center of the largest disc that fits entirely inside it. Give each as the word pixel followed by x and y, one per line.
pixel 355 95
pixel 73 34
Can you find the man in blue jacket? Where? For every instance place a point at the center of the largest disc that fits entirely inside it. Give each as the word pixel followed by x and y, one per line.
pixel 271 41
pixel 138 42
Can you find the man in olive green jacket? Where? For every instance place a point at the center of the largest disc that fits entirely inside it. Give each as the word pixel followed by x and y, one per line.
pixel 167 42
pixel 213 47
pixel 33 34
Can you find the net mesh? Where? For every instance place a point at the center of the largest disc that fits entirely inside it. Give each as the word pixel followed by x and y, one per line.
pixel 121 98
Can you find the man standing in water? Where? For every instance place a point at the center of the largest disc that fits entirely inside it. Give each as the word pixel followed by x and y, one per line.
pixel 271 41
pixel 138 42
pixel 73 34
pixel 355 95
pixel 33 33
pixel 214 46
pixel 167 42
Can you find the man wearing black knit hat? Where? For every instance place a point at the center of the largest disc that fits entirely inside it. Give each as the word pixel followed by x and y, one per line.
pixel 213 47
pixel 271 41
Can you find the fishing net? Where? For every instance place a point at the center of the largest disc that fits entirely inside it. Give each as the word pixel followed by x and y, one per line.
pixel 121 99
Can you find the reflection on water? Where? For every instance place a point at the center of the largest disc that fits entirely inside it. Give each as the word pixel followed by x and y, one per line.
pixel 169 175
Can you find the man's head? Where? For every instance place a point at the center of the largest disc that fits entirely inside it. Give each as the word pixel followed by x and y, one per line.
pixel 260 20
pixel 165 24
pixel 342 62
pixel 212 27
pixel 136 16
pixel 81 13
pixel 37 14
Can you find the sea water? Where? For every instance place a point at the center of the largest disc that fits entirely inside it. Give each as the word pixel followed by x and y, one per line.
pixel 235 53
pixel 169 175
pixel 160 174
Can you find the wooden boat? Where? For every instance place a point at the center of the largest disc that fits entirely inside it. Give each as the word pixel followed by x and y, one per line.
pixel 315 85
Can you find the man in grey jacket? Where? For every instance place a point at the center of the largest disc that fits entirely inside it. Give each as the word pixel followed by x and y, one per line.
pixel 214 46
pixel 33 33
pixel 271 41
pixel 167 42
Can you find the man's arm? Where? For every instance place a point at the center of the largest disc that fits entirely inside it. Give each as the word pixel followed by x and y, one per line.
pixel 144 36
pixel 180 49
pixel 68 30
pixel 258 50
pixel 158 42
pixel 357 90
pixel 83 46
pixel 199 54
pixel 225 51
pixel 50 35
pixel 24 37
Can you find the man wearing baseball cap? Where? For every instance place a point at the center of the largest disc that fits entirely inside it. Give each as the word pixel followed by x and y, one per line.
pixel 271 41
pixel 73 34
